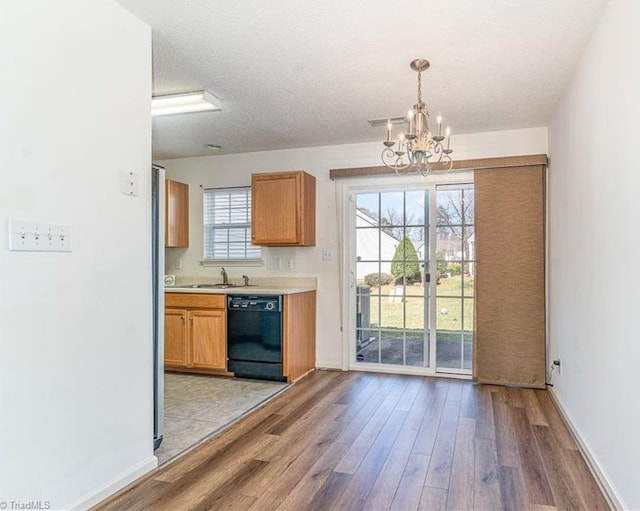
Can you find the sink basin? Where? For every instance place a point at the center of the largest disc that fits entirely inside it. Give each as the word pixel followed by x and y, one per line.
pixel 215 286
pixel 210 286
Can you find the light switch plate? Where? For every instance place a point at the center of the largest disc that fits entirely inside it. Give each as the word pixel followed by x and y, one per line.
pixel 27 236
pixel 273 263
pixel 328 254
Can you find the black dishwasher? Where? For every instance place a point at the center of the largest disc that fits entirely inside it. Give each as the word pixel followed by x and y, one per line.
pixel 254 336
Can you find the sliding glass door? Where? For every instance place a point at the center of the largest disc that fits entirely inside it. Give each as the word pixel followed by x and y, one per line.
pixel 413 267
pixel 455 269
pixel 391 293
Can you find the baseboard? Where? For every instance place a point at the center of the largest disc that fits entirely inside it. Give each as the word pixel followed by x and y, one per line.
pixel 119 482
pixel 329 367
pixel 613 499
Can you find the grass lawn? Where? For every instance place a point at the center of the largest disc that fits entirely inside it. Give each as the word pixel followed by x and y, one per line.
pixel 403 307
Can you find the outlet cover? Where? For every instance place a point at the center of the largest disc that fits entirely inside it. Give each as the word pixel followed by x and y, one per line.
pixel 288 263
pixel 129 183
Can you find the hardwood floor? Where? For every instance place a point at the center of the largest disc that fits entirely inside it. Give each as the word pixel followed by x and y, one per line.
pixel 364 441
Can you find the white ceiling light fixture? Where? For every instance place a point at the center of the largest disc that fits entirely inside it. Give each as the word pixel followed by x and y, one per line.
pixel 199 101
pixel 422 148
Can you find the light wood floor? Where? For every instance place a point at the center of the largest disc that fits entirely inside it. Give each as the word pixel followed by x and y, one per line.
pixel 363 441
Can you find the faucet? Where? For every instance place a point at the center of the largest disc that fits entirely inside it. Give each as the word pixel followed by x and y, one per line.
pixel 225 279
pixel 246 281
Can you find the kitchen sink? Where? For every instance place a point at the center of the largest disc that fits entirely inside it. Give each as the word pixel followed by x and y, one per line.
pixel 214 286
pixel 211 286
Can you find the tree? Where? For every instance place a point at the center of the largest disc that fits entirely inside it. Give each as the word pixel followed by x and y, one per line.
pixel 405 262
pixel 454 212
pixel 393 223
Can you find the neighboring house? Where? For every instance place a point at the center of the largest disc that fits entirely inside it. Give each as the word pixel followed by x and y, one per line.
pixel 451 250
pixel 368 234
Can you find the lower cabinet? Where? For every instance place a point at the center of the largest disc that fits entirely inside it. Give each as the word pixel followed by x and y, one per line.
pixel 207 333
pixel 175 338
pixel 195 332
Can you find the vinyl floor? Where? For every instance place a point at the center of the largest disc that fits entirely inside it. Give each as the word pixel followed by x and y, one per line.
pixel 197 406
pixel 364 441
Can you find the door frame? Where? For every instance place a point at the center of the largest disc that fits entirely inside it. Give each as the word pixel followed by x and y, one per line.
pixel 345 195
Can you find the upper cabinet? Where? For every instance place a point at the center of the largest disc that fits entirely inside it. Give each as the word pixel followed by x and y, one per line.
pixel 283 209
pixel 177 214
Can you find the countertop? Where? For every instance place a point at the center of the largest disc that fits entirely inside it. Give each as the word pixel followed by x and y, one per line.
pixel 251 290
pixel 258 286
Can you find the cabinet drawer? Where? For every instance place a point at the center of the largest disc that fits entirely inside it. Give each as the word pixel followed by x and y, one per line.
pixel 206 300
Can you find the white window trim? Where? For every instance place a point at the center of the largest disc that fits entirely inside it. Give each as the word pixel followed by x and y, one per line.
pixel 345 193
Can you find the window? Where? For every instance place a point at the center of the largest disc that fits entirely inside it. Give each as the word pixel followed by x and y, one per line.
pixel 227 225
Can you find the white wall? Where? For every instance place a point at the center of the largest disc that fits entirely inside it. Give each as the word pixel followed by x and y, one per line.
pixel 236 170
pixel 75 328
pixel 594 241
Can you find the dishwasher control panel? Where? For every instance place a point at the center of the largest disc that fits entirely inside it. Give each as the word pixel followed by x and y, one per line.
pixel 255 303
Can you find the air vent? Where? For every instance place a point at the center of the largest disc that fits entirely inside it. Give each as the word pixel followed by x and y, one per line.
pixel 383 122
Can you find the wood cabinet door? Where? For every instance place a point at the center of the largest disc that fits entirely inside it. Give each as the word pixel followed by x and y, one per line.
pixel 177 214
pixel 275 209
pixel 175 337
pixel 208 335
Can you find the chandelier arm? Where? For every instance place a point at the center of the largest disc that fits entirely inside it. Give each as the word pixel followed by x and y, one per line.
pixel 443 155
pixel 438 150
pixel 392 161
pixel 447 161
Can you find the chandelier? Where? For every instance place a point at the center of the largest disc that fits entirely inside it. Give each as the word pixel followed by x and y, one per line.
pixel 419 149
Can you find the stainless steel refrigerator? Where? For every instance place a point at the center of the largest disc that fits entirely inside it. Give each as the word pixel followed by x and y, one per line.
pixel 157 269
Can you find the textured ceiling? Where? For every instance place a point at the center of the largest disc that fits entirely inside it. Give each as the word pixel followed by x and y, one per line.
pixel 295 73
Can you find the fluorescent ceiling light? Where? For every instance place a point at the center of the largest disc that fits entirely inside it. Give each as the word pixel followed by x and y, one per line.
pixel 199 101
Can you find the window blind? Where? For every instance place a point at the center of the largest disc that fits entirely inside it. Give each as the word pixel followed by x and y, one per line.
pixel 227 224
pixel 510 276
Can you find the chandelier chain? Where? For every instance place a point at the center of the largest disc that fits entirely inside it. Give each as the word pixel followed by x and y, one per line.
pixel 419 86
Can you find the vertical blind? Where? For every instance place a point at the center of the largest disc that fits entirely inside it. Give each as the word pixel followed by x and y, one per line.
pixel 510 346
pixel 227 224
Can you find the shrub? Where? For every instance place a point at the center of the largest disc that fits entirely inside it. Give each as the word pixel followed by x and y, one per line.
pixel 378 279
pixel 454 269
pixel 405 262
